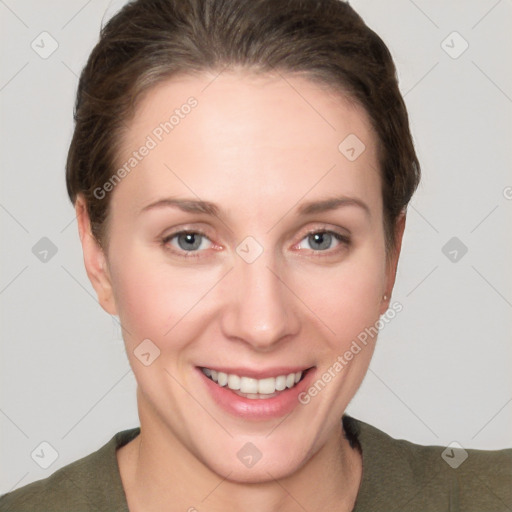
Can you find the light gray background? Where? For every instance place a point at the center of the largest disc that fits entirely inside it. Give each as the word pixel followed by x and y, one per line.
pixel 441 371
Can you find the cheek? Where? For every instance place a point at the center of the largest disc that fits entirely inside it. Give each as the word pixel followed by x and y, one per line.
pixel 346 297
pixel 138 293
pixel 152 295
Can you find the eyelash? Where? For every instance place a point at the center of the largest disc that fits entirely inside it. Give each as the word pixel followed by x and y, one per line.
pixel 343 239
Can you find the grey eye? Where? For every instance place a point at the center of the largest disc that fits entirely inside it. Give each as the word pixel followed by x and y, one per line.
pixel 188 241
pixel 320 240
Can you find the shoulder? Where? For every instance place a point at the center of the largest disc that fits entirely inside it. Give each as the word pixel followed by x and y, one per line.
pixel 408 476
pixel 90 483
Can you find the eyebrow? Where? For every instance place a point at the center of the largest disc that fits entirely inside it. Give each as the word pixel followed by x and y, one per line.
pixel 209 208
pixel 332 203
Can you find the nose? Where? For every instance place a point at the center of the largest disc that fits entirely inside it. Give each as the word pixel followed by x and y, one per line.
pixel 259 307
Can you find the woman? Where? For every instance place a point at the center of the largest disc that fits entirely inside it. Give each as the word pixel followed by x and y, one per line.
pixel 241 171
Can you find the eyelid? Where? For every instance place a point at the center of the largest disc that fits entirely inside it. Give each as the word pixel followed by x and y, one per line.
pixel 326 228
pixel 182 231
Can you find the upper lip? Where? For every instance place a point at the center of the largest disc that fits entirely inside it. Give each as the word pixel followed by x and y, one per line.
pixel 259 373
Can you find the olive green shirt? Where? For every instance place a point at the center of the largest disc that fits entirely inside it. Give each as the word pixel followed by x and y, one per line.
pixel 397 476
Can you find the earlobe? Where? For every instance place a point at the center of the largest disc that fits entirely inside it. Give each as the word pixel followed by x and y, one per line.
pixel 94 259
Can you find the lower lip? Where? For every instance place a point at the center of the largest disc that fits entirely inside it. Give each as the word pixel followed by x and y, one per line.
pixel 258 408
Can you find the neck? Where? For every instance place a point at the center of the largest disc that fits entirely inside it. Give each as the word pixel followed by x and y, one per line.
pixel 159 473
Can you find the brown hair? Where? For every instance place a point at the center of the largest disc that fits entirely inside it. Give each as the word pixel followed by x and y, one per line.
pixel 149 41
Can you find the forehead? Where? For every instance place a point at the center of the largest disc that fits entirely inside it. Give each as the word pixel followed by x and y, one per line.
pixel 248 138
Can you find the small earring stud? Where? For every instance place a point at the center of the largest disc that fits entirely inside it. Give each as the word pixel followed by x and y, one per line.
pixel 385 297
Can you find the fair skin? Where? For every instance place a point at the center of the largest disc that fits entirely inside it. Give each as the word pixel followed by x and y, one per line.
pixel 258 150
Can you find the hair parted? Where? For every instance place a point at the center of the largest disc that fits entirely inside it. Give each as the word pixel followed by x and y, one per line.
pixel 150 41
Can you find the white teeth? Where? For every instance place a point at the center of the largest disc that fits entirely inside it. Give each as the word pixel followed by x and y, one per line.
pixel 222 378
pixel 280 382
pixel 267 386
pixel 248 385
pixel 234 382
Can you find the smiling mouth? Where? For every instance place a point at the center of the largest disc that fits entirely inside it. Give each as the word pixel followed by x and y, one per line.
pixel 249 387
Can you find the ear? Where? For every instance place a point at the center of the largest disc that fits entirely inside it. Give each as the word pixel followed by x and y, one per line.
pixel 392 261
pixel 94 259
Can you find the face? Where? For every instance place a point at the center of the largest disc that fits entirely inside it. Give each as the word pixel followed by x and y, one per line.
pixel 272 265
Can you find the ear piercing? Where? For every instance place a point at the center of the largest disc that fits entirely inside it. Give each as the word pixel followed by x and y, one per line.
pixel 385 297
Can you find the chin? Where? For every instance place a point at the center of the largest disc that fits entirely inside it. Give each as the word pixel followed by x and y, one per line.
pixel 256 460
pixel 260 473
